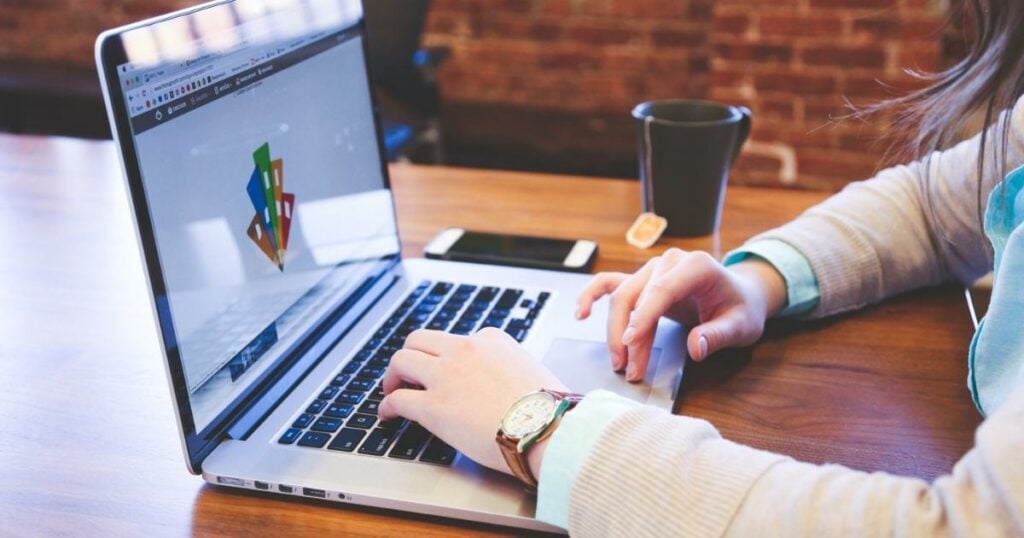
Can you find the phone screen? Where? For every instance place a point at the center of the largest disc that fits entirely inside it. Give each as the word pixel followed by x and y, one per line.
pixel 512 247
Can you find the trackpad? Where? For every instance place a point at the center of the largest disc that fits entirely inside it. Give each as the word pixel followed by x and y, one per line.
pixel 584 365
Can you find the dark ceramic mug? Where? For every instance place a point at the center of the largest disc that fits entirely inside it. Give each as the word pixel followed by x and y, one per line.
pixel 686 149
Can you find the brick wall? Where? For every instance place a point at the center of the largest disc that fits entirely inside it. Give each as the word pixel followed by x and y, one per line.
pixel 793 62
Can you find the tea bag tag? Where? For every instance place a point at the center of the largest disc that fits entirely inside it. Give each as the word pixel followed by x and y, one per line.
pixel 646 230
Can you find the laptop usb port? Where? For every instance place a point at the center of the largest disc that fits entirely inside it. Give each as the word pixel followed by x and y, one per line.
pixel 318 493
pixel 285 489
pixel 261 485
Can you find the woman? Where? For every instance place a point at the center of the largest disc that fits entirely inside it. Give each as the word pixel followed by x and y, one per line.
pixel 614 467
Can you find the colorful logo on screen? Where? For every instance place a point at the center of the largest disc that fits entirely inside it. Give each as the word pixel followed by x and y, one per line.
pixel 273 219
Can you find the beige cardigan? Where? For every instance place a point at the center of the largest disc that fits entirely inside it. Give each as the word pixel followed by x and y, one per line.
pixel 653 474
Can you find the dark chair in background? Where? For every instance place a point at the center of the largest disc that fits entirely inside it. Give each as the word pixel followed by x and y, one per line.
pixel 404 74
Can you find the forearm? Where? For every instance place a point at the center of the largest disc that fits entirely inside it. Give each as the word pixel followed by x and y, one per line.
pixel 910 226
pixel 649 473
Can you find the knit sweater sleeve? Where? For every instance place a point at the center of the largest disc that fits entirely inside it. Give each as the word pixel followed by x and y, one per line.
pixel 910 226
pixel 654 474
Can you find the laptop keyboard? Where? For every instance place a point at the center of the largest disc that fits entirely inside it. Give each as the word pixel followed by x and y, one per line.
pixel 343 416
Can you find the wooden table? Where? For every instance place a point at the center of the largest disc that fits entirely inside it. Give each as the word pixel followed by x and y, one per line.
pixel 89 444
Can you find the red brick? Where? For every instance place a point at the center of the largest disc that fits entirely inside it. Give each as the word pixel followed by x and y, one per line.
pixel 846 56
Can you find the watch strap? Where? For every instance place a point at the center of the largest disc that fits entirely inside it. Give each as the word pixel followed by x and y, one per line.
pixel 515 452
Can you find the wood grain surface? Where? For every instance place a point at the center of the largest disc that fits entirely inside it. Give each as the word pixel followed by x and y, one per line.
pixel 89 444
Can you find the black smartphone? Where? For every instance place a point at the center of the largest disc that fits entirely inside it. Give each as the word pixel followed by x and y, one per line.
pixel 576 255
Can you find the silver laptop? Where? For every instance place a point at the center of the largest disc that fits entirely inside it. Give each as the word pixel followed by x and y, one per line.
pixel 253 158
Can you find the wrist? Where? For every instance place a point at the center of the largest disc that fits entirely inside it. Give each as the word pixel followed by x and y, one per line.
pixel 765 283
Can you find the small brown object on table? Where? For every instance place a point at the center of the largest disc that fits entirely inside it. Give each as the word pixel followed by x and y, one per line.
pixel 89 441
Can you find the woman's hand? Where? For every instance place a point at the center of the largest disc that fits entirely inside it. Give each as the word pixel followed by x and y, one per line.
pixel 723 307
pixel 467 383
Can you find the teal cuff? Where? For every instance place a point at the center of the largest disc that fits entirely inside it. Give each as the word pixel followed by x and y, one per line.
pixel 802 292
pixel 568 449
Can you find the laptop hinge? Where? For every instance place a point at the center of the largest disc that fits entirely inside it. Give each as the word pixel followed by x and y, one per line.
pixel 337 328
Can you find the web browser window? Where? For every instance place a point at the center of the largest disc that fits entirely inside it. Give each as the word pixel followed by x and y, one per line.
pixel 262 172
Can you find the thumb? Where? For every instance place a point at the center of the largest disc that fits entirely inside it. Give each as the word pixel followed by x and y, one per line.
pixel 730 330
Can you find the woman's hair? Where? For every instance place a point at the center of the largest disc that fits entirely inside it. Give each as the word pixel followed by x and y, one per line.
pixel 987 81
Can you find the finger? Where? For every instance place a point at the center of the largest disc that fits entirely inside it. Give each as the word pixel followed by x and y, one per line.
pixel 429 341
pixel 602 284
pixel 410 366
pixel 638 340
pixel 729 330
pixel 622 301
pixel 691 275
pixel 408 403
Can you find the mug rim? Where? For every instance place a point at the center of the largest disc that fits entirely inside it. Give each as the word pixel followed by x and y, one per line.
pixel 735 110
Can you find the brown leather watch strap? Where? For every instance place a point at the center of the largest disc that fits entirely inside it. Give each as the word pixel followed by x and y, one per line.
pixel 519 463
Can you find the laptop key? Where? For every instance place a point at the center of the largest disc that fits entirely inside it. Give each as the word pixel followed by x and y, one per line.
pixel 361 384
pixel 316 406
pixel 378 442
pixel 464 326
pixel 493 322
pixel 326 424
pixel 518 333
pixel 369 407
pixel 352 367
pixel 438 325
pixel 377 394
pixel 349 397
pixel 499 313
pixel 290 436
pixel 347 440
pixel 360 420
pixel 472 315
pixel 410 443
pixel 379 362
pixel 340 380
pixel 487 293
pixel 371 372
pixel 425 308
pixel 303 421
pixel 338 411
pixel 314 439
pixel 438 452
pixel 393 423
pixel 328 393
pixel 521 323
pixel 441 288
pixel 509 299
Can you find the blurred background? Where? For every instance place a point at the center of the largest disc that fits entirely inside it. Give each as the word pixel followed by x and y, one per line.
pixel 547 85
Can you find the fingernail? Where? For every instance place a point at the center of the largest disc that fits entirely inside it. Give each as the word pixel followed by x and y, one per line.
pixel 617 362
pixel 631 372
pixel 703 344
pixel 579 312
pixel 627 337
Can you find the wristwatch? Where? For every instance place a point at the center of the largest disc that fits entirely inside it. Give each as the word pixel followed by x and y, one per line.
pixel 530 420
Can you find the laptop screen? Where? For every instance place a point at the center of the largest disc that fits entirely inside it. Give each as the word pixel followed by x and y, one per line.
pixel 261 168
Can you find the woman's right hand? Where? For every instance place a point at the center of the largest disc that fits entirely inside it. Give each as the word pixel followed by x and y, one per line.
pixel 723 307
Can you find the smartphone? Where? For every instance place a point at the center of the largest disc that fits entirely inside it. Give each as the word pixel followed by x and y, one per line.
pixel 575 255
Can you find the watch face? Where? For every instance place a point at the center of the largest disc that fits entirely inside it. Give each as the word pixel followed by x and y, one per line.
pixel 529 415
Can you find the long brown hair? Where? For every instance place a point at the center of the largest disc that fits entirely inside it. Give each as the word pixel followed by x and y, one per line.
pixel 987 81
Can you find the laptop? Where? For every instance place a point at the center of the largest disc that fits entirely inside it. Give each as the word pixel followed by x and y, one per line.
pixel 253 160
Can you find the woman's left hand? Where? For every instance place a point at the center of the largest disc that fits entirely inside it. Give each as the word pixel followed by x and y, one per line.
pixel 468 383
